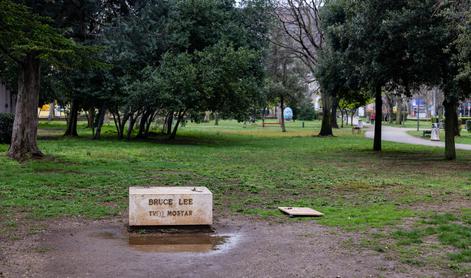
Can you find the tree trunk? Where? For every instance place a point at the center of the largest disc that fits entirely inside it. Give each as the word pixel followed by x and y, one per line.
pixel 457 122
pixel 326 127
pixel 450 124
pixel 132 121
pixel 142 124
pixel 150 119
pixel 282 104
pixel 390 101
pixel 345 112
pixel 116 122
pixel 263 117
pixel 72 121
pixel 90 117
pixel 179 119
pixel 52 113
pixel 216 118
pixel 169 123
pixel 25 126
pixel 342 115
pixel 164 125
pixel 378 119
pixel 335 105
pixel 120 122
pixel 398 110
pixel 351 119
pixel 99 122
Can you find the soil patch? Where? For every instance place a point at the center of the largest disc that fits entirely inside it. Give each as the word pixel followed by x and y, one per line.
pixel 239 247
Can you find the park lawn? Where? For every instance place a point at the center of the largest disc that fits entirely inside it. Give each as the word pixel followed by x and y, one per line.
pixel 465 137
pixel 393 198
pixel 411 123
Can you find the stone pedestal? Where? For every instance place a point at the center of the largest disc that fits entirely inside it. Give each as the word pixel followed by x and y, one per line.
pixel 435 134
pixel 169 206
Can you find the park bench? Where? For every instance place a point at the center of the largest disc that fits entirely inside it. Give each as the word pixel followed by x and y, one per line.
pixel 427 133
pixel 265 124
pixel 357 129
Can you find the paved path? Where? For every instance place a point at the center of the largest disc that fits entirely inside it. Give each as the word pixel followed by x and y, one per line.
pixel 399 135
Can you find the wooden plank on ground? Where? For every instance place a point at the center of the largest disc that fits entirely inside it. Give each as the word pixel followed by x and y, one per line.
pixel 298 211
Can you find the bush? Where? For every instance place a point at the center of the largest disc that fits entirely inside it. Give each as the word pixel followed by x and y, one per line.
pixel 306 112
pixel 464 119
pixel 468 125
pixel 6 127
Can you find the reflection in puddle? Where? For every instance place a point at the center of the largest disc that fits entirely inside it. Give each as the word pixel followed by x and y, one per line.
pixel 176 242
pixel 105 235
pixel 169 243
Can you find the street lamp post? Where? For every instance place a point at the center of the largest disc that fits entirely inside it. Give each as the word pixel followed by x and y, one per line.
pixel 417 105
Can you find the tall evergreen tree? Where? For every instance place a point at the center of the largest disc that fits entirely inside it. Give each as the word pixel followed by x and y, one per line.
pixel 27 39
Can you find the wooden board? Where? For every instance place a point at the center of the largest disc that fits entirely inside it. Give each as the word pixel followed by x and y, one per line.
pixel 296 211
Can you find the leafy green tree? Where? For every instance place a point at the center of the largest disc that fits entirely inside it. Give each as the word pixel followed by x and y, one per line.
pixel 332 74
pixel 456 73
pixel 181 58
pixel 219 78
pixel 371 49
pixel 178 77
pixel 27 39
pixel 463 43
pixel 135 44
pixel 83 22
pixel 231 79
pixel 425 33
pixel 349 106
pixel 394 44
pixel 304 111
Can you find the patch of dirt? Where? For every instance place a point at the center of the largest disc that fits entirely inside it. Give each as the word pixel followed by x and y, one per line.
pixel 56 170
pixel 166 173
pixel 452 203
pixel 55 159
pixel 71 248
pixel 174 172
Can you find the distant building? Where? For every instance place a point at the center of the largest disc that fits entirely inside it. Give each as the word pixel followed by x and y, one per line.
pixel 423 105
pixel 7 100
pixel 465 108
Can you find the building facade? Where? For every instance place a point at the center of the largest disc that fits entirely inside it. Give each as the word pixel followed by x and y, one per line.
pixel 7 100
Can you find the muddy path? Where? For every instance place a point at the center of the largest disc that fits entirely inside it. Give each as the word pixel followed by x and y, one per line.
pixel 239 247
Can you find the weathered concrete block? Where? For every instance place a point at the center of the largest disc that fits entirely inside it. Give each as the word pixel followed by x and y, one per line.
pixel 168 206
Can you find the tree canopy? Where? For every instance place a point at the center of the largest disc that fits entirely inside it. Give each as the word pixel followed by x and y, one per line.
pixel 374 45
pixel 24 33
pixel 27 39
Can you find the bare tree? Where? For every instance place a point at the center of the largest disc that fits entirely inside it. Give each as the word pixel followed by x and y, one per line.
pixel 287 75
pixel 390 97
pixel 300 21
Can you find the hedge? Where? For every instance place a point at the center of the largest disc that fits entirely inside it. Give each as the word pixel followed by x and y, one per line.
pixel 6 127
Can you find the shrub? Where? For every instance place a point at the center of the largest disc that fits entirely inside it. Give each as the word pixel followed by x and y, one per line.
pixel 306 112
pixel 464 119
pixel 6 127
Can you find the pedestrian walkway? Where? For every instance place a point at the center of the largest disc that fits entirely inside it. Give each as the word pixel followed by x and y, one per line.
pixel 399 135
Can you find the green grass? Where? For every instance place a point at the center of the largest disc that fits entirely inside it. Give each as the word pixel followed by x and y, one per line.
pixel 251 171
pixel 465 137
pixel 411 123
pixel 453 231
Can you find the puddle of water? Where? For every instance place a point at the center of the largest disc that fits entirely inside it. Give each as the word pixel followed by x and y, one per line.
pixel 170 243
pixel 199 243
pixel 105 235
